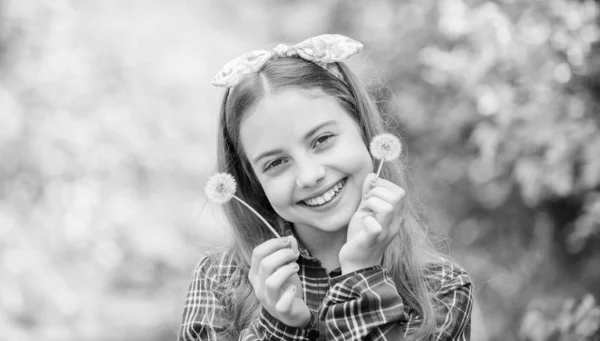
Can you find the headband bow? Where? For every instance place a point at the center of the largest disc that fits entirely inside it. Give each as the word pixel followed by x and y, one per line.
pixel 321 50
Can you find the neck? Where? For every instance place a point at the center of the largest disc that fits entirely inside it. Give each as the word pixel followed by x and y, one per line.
pixel 323 245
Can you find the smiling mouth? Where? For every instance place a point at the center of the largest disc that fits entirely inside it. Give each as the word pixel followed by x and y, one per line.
pixel 326 197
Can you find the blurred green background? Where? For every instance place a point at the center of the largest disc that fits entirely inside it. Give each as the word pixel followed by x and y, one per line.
pixel 107 135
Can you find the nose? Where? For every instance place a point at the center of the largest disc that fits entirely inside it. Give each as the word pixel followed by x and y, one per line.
pixel 310 173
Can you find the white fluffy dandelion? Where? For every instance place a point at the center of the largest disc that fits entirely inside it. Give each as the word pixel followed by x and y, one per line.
pixel 385 147
pixel 221 188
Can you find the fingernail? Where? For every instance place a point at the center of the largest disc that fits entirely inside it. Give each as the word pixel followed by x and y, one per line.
pixel 294 266
pixel 285 240
pixel 374 181
pixel 291 288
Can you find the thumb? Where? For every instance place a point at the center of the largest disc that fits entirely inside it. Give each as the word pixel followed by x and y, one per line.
pixel 368 235
pixel 367 185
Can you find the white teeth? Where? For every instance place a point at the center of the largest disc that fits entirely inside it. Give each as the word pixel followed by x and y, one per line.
pixel 325 197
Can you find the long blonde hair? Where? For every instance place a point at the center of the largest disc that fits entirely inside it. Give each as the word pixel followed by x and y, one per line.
pixel 409 254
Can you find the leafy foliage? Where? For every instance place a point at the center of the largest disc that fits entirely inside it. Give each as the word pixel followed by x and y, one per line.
pixel 571 321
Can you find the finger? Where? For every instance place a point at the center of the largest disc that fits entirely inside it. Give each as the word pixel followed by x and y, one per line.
pixel 276 260
pixel 383 210
pixel 293 243
pixel 380 182
pixel 371 225
pixel 372 230
pixel 391 196
pixel 294 279
pixel 284 305
pixel 276 281
pixel 265 249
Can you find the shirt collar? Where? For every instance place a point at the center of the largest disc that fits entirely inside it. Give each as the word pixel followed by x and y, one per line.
pixel 304 253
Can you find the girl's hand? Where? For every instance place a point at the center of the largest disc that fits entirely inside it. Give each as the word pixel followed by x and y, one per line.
pixel 273 275
pixel 374 225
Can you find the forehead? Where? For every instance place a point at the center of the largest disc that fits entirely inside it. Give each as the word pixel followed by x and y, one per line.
pixel 287 116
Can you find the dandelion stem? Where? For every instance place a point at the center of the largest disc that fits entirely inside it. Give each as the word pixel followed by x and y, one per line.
pixel 258 215
pixel 379 169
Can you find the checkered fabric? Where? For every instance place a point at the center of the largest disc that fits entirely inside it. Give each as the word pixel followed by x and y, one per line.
pixel 362 305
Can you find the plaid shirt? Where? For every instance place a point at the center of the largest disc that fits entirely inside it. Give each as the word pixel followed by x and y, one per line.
pixel 362 305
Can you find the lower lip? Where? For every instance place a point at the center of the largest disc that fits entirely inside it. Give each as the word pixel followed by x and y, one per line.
pixel 330 203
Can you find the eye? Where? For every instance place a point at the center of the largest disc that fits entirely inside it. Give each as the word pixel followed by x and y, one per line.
pixel 274 164
pixel 323 139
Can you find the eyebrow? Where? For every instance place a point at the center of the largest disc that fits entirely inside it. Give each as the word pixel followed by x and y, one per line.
pixel 306 136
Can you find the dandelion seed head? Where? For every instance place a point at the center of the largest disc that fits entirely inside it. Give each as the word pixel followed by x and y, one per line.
pixel 220 188
pixel 385 147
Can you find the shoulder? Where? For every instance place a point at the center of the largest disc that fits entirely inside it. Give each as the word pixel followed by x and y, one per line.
pixel 446 275
pixel 217 267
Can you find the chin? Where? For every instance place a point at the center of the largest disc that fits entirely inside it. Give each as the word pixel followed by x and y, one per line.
pixel 333 225
pixel 333 228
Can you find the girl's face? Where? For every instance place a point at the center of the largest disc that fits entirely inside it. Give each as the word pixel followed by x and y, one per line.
pixel 309 157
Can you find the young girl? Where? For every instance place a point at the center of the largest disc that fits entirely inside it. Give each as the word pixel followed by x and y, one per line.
pixel 355 263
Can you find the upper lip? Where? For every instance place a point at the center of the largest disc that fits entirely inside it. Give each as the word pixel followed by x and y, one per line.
pixel 322 191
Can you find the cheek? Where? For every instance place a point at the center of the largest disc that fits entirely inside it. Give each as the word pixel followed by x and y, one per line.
pixel 278 192
pixel 358 158
pixel 359 164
